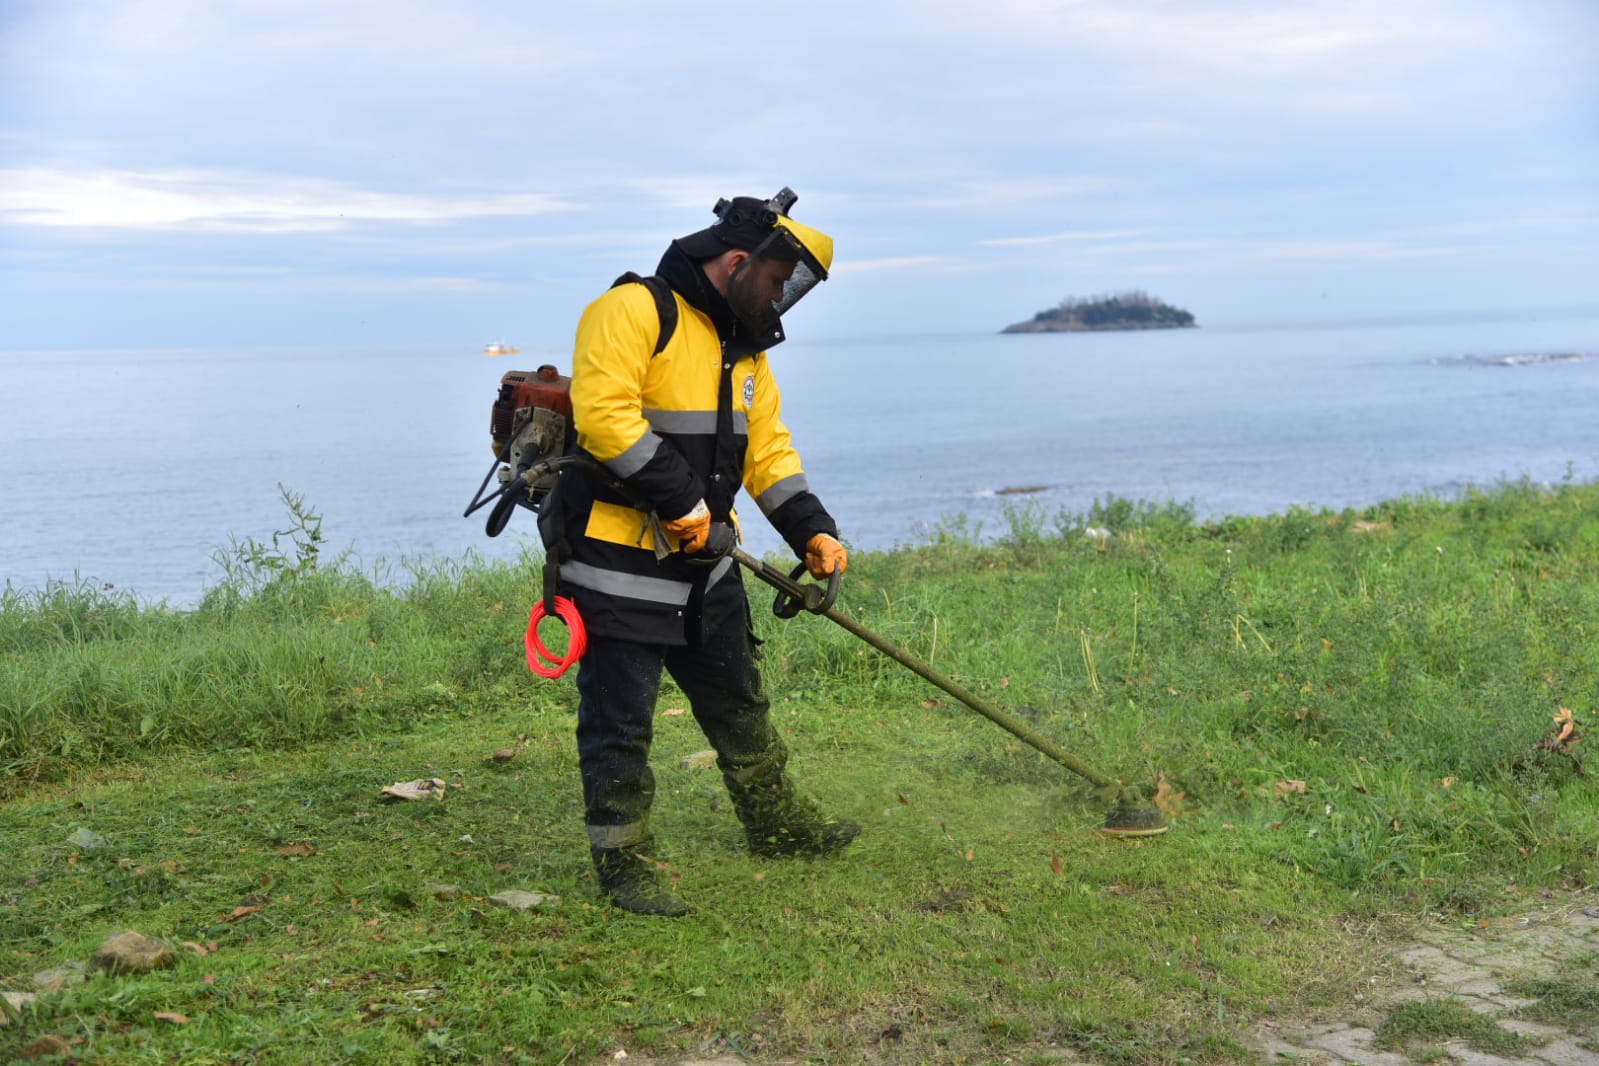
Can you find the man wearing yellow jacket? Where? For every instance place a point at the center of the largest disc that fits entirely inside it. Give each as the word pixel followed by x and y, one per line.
pixel 678 430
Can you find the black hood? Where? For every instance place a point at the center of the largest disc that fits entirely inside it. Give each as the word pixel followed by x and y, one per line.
pixel 683 273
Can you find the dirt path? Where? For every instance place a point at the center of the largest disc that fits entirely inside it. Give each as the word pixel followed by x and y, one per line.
pixel 1460 969
pixel 1472 968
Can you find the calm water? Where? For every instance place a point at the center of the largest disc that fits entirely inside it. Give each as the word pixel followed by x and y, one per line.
pixel 133 467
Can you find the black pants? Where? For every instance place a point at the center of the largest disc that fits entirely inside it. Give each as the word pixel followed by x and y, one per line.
pixel 618 683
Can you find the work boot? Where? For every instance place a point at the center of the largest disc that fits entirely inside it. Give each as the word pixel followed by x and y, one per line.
pixel 633 883
pixel 777 821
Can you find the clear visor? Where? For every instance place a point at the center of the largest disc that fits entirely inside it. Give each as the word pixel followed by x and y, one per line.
pixel 773 279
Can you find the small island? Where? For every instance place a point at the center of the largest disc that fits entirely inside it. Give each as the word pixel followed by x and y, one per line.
pixel 1122 310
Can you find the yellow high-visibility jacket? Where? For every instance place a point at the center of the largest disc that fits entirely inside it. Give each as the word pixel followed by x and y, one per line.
pixel 699 420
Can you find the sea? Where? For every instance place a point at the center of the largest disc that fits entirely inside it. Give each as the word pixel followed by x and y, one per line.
pixel 145 470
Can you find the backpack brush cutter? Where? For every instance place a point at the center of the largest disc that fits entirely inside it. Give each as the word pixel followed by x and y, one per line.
pixel 532 448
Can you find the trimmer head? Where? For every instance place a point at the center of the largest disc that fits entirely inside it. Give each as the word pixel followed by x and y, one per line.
pixel 1132 813
pixel 1134 822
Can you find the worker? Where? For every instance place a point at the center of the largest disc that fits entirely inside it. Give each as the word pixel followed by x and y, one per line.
pixel 642 546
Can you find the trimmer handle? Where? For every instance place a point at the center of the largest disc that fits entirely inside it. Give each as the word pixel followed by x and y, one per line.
pixel 805 597
pixel 719 542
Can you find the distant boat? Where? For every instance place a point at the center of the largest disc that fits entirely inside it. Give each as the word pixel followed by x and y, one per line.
pixel 501 348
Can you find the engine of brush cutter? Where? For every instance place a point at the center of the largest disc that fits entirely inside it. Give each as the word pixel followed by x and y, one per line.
pixel 531 421
pixel 532 417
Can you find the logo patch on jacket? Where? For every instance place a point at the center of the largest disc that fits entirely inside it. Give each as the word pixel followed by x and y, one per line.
pixel 749 391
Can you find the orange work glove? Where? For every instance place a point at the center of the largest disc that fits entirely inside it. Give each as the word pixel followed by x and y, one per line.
pixel 690 529
pixel 823 555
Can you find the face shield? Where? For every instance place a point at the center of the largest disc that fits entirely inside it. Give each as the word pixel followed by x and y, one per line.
pixel 788 263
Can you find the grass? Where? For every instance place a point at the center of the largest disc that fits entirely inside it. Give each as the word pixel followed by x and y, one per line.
pixel 1419 1028
pixel 1568 998
pixel 1353 713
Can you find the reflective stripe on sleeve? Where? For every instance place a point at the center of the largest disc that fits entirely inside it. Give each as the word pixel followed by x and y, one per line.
pixel 631 586
pixel 633 459
pixel 782 492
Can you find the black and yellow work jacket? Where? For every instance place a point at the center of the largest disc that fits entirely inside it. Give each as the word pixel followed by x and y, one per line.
pixel 696 421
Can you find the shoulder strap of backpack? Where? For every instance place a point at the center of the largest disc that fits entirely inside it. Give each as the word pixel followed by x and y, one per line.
pixel 665 304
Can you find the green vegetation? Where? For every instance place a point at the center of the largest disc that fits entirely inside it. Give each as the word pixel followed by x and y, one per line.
pixel 1419 1028
pixel 1359 718
pixel 1569 997
pixel 1122 310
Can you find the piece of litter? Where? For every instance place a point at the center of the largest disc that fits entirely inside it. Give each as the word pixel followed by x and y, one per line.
pixel 523 901
pixel 87 839
pixel 422 788
pixel 699 760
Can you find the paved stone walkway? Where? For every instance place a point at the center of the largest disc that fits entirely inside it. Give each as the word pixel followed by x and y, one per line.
pixel 1472 968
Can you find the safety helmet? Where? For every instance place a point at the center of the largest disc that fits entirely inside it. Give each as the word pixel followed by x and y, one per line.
pixel 786 258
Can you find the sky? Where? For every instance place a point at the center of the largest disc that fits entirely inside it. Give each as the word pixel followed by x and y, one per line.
pixel 237 173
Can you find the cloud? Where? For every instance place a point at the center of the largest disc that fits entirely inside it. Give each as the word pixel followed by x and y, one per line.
pixel 896 263
pixel 1269 256
pixel 232 202
pixel 991 193
pixel 689 192
pixel 218 278
pixel 1069 235
pixel 1204 69
pixel 540 147
pixel 379 286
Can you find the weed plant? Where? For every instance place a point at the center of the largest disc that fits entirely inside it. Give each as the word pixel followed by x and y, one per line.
pixel 1357 719
pixel 1421 1027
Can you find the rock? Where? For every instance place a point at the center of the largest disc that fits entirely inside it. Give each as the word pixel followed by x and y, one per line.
pixel 698 761
pixel 507 754
pixel 45 1045
pixel 132 952
pixel 14 1002
pixel 523 901
pixel 1122 310
pixel 60 977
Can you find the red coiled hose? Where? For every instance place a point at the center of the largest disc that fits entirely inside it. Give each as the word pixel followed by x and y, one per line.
pixel 577 641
